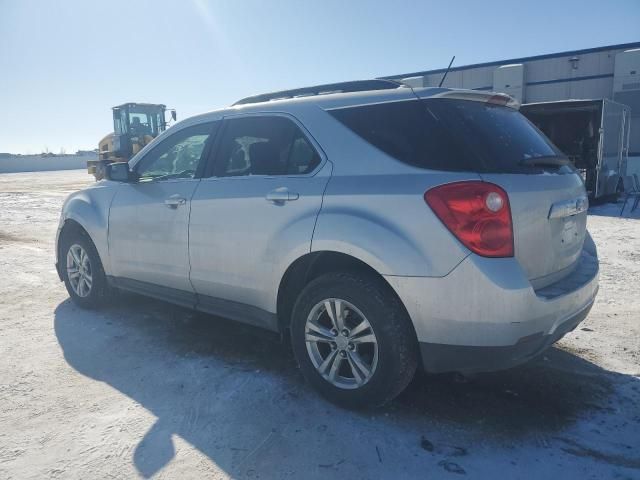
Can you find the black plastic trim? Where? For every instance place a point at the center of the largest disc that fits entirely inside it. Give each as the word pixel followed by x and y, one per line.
pixel 440 358
pixel 167 294
pixel 237 311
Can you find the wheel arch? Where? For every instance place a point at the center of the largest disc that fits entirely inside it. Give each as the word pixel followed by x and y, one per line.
pixel 310 266
pixel 87 211
pixel 69 228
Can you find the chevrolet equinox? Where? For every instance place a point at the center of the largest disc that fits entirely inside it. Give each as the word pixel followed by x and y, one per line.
pixel 382 227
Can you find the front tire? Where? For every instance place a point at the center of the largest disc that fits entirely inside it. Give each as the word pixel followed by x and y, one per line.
pixel 82 272
pixel 353 340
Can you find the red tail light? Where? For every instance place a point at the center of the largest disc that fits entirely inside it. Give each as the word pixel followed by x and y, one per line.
pixel 477 213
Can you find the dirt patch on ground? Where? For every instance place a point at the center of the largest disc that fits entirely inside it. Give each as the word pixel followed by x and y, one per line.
pixel 6 237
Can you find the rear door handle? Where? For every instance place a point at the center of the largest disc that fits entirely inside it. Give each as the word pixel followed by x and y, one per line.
pixel 281 194
pixel 174 201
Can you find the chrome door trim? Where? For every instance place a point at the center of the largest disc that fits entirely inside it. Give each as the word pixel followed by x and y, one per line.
pixel 569 208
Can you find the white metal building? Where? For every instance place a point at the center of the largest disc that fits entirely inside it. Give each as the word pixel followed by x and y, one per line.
pixel 611 72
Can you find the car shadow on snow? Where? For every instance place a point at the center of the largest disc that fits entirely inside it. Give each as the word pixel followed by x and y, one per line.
pixel 545 394
pixel 231 390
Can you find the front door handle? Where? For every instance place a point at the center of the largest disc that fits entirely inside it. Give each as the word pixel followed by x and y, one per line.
pixel 282 194
pixel 174 201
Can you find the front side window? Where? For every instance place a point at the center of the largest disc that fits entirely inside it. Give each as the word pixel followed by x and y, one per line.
pixel 158 122
pixel 124 121
pixel 178 156
pixel 264 146
pixel 118 130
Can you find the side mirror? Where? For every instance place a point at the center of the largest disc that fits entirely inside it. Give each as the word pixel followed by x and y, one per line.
pixel 118 172
pixel 173 115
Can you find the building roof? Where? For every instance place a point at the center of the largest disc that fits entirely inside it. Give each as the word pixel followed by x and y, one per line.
pixel 620 46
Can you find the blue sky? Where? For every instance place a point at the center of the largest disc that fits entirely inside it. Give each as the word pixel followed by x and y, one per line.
pixel 64 64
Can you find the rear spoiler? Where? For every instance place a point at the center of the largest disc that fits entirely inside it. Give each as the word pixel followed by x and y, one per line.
pixel 475 96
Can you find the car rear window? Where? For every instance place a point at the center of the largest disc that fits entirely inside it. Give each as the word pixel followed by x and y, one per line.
pixel 451 135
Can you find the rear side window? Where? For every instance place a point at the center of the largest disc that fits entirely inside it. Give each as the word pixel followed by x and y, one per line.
pixel 408 132
pixel 264 145
pixel 451 135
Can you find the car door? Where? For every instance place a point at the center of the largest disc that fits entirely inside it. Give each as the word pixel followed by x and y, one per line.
pixel 254 214
pixel 148 219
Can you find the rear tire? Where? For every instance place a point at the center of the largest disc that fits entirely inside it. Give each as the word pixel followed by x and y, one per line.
pixel 368 367
pixel 82 271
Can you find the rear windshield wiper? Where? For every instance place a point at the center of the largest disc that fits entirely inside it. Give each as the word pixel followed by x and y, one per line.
pixel 552 160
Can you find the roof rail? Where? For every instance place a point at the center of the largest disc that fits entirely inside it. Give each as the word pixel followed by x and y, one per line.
pixel 341 87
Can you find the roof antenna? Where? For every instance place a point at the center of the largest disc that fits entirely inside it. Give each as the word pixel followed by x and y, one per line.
pixel 446 71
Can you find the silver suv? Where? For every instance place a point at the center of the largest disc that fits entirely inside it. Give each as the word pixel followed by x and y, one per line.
pixel 382 226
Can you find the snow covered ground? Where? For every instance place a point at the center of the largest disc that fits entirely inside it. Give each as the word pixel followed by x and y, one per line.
pixel 146 389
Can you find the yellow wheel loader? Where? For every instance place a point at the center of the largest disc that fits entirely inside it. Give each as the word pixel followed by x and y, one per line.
pixel 134 126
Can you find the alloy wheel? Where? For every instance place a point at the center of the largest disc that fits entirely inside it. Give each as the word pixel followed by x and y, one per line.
pixel 341 343
pixel 79 270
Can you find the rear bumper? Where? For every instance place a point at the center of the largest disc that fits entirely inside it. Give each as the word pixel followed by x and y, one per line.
pixel 472 359
pixel 485 315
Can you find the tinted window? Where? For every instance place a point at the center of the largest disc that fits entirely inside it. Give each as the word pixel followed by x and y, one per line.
pixel 501 137
pixel 178 156
pixel 452 135
pixel 264 146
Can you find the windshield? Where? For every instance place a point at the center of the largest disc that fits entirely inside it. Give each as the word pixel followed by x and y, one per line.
pixel 143 123
pixel 140 120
